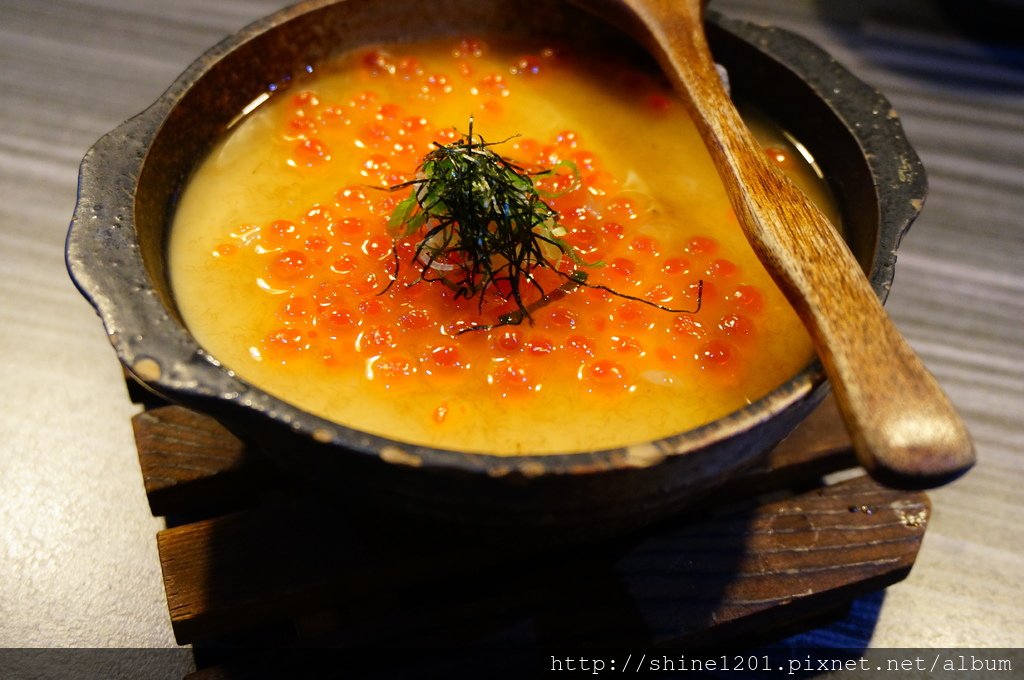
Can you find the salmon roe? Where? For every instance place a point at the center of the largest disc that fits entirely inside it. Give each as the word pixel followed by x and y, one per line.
pixel 354 289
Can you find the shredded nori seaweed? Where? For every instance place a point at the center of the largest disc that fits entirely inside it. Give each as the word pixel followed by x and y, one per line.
pixel 486 228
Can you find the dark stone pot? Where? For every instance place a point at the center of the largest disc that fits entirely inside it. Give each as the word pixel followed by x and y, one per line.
pixel 131 178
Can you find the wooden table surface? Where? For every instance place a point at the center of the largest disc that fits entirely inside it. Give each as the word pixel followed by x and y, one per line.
pixel 78 561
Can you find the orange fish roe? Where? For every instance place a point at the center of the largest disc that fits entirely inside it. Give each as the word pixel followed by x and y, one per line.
pixel 342 263
pixel 302 291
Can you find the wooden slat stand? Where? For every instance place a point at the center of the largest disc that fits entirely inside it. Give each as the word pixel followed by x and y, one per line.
pixel 251 558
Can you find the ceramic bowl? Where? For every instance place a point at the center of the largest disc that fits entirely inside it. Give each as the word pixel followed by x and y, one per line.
pixel 132 177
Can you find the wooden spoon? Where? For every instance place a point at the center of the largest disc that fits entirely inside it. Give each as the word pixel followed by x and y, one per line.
pixel 903 427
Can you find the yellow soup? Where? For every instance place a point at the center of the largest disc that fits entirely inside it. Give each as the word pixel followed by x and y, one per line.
pixel 285 270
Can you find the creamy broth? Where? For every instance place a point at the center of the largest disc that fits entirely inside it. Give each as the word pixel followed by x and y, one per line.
pixel 280 257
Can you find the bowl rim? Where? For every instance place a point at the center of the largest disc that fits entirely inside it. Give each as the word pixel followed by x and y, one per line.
pixel 176 367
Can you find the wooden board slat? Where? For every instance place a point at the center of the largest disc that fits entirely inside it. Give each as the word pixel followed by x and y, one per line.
pixel 701 576
pixel 189 460
pixel 347 579
pixel 820 437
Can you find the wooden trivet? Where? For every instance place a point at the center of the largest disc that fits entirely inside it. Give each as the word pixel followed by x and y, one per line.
pixel 249 554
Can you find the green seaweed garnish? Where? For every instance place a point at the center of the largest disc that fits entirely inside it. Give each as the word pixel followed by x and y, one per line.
pixel 487 228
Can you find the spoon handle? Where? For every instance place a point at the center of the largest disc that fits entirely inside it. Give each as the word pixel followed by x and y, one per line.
pixel 903 427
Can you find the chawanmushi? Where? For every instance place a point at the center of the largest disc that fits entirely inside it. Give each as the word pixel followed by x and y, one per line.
pixel 287 265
